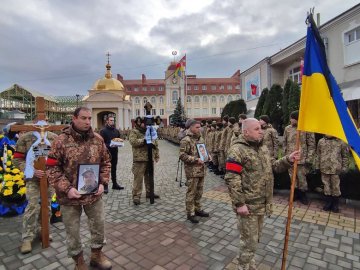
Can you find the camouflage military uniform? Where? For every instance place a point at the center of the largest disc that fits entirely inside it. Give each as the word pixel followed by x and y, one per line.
pixel 332 160
pixel 68 151
pixel 222 143
pixel 307 148
pixel 194 172
pixel 216 142
pixel 271 140
pixel 228 139
pixel 32 211
pixel 140 160
pixel 250 182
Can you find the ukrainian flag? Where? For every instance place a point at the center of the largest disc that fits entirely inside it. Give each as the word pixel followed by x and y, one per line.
pixel 322 107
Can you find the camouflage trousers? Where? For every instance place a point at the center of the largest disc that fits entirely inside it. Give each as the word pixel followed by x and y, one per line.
pixel 331 184
pixel 215 158
pixel 301 173
pixel 250 228
pixel 139 169
pixel 222 160
pixel 195 187
pixel 96 221
pixel 31 219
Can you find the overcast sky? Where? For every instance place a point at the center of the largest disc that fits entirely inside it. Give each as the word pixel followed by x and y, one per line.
pixel 58 47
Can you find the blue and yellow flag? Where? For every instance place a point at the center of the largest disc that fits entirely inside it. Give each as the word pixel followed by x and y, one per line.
pixel 322 107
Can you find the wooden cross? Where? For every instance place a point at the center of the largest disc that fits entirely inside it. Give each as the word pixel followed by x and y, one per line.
pixel 40 164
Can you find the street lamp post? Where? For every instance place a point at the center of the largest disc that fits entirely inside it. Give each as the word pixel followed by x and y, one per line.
pixel 77 100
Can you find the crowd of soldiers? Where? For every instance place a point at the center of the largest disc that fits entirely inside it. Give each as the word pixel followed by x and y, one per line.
pixel 330 157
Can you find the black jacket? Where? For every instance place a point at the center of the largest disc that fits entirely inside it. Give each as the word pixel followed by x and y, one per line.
pixel 109 133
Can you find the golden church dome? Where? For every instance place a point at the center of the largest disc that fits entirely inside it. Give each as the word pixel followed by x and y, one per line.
pixel 108 82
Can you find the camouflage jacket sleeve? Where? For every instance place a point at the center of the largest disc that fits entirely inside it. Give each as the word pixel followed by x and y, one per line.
pixel 55 174
pixel 233 178
pixel 311 147
pixel 223 137
pixel 105 165
pixel 285 141
pixel 345 157
pixel 275 139
pixel 318 154
pixel 281 165
pixel 185 150
pixel 134 139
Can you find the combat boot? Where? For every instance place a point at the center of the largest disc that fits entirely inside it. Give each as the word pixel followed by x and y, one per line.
pixel 201 213
pixel 136 201
pixel 99 260
pixel 26 247
pixel 80 262
pixel 328 204
pixel 192 219
pixel 303 198
pixel 335 204
pixel 155 196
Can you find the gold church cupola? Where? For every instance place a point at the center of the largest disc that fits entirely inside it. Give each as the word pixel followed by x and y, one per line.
pixel 108 82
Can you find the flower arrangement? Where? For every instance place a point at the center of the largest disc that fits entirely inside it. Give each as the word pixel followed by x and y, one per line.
pixel 12 186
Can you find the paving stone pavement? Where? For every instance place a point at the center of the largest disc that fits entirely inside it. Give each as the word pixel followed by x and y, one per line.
pixel 159 237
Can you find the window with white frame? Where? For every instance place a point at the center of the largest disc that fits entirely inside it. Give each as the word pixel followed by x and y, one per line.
pixel 196 87
pixel 175 97
pixel 203 87
pixel 222 99
pixel 188 87
pixel 229 87
pixel 221 110
pixel 161 88
pixel 222 87
pixel 137 112
pixel 294 75
pixel 136 89
pixel 197 112
pixel 144 100
pixel 213 87
pixel 237 97
pixel 230 98
pixel 188 111
pixel 161 111
pixel 153 100
pixel 188 99
pixel 161 100
pixel 196 99
pixel 205 111
pixel 152 88
pixel 213 99
pixel 137 100
pixel 153 111
pixel 205 99
pixel 213 111
pixel 144 88
pixel 352 46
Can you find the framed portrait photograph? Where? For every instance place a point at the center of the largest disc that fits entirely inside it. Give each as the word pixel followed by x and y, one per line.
pixel 88 178
pixel 202 151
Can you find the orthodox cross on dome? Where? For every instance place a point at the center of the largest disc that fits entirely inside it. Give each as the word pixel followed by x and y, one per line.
pixel 108 67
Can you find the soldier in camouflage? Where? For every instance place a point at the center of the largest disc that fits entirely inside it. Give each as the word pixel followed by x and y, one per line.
pixel 78 144
pixel 307 146
pixel 194 171
pixel 237 128
pixel 222 142
pixel 270 139
pixel 250 181
pixel 31 216
pixel 232 122
pixel 332 160
pixel 140 160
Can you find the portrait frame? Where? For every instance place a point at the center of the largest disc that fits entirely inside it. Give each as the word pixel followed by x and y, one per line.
pixel 89 170
pixel 202 152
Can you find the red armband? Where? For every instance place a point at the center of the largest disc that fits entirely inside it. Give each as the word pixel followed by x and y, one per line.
pixel 51 162
pixel 233 167
pixel 19 155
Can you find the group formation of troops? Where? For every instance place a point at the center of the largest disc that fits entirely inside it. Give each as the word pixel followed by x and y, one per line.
pixel 243 152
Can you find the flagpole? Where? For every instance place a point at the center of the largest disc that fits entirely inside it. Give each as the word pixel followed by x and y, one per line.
pixel 291 201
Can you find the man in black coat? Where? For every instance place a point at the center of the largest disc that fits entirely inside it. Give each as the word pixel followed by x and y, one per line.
pixel 109 132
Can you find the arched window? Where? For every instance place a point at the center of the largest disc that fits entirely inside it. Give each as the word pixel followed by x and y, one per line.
pixel 137 100
pixel 197 99
pixel 230 98
pixel 188 99
pixel 153 100
pixel 213 99
pixel 205 99
pixel 237 97
pixel 222 99
pixel 175 97
pixel 161 100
